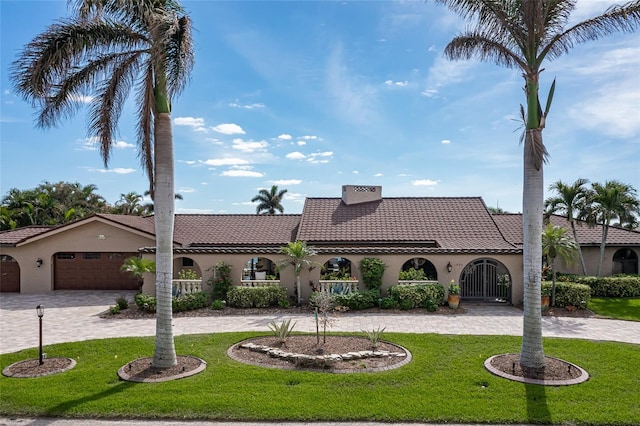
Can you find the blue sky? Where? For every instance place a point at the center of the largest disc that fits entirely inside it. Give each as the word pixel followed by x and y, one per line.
pixel 310 96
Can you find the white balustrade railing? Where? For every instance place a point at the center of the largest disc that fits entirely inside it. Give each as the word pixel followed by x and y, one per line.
pixel 338 286
pixel 186 286
pixel 259 283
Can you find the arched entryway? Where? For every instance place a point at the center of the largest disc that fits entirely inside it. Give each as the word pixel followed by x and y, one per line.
pixel 9 275
pixel 485 280
pixel 260 269
pixel 336 268
pixel 625 261
pixel 421 264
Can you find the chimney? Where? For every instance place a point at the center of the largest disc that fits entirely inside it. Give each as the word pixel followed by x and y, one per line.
pixel 356 194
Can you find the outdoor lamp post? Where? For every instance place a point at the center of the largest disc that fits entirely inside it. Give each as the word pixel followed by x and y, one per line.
pixel 40 312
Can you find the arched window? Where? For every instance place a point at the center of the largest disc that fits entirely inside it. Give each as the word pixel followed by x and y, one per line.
pixel 336 268
pixel 420 264
pixel 625 261
pixel 260 268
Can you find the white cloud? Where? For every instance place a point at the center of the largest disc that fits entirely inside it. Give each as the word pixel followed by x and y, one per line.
pixel 249 146
pixel 378 175
pixel 396 83
pixel 241 173
pixel 285 137
pixel 446 141
pixel 355 172
pixel 186 190
pixel 429 93
pixel 301 143
pixel 320 157
pixel 229 129
pixel 122 145
pixel 237 104
pixel 196 123
pixel 308 137
pixel 225 162
pixel 116 170
pixel 424 182
pixel 92 143
pixel 296 156
pixel 81 98
pixel 286 182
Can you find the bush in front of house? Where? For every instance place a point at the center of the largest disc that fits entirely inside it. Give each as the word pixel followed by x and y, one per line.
pixel 357 300
pixel 189 302
pixel 416 295
pixel 569 294
pixel 616 286
pixel 372 270
pixel 145 302
pixel 257 297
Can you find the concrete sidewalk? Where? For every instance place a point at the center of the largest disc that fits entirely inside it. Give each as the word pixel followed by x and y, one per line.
pixel 74 316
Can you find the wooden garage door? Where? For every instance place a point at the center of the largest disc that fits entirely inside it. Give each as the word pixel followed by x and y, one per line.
pixel 92 271
pixel 9 275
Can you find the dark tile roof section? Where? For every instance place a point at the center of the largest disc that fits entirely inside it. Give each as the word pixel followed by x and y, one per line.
pixel 235 230
pixel 511 226
pixel 16 236
pixel 443 222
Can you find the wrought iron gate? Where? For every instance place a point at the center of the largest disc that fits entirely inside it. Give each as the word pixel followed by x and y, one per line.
pixel 485 280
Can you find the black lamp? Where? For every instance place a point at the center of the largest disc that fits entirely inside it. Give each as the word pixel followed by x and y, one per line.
pixel 40 313
pixel 449 267
pixel 39 262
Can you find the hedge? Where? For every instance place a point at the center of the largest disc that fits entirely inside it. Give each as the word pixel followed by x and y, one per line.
pixel 257 297
pixel 570 294
pixel 185 302
pixel 616 286
pixel 416 295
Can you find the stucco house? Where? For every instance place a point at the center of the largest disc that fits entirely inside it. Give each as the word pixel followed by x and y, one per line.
pixel 449 238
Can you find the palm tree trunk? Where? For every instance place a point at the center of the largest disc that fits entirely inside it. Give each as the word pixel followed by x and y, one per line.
pixel 532 356
pixel 553 281
pixel 298 289
pixel 575 238
pixel 603 243
pixel 164 355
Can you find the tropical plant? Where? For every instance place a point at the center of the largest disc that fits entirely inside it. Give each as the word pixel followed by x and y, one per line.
pixel 556 243
pixel 283 330
pixel 523 34
pixel 138 266
pixel 372 271
pixel 412 274
pixel 454 288
pixel 221 282
pixel 611 200
pixel 298 255
pixel 131 204
pixel 570 201
pixel 374 335
pixel 104 50
pixel 269 201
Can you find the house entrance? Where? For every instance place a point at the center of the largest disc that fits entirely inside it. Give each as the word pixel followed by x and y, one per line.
pixel 485 280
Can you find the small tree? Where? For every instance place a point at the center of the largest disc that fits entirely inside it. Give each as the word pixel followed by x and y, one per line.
pixel 138 266
pixel 556 243
pixel 299 254
pixel 372 270
pixel 323 303
pixel 221 282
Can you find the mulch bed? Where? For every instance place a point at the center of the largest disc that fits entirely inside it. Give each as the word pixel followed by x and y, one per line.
pixel 32 367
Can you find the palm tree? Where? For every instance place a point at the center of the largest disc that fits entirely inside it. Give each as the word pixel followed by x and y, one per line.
pixel 270 201
pixel 569 201
pixel 556 243
pixel 613 200
pixel 522 34
pixel 299 254
pixel 138 266
pixel 107 48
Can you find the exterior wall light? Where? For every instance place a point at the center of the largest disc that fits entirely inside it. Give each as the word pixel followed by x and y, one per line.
pixel 39 262
pixel 449 267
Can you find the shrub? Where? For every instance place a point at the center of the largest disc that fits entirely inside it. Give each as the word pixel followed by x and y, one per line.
pixel 412 275
pixel 431 305
pixel 114 310
pixel 358 300
pixel 282 330
pixel 145 302
pixel 259 297
pixel 122 302
pixel 221 281
pixel 570 294
pixel 218 305
pixel 187 274
pixel 189 302
pixel 374 335
pixel 617 286
pixel 372 270
pixel 415 295
pixel 389 303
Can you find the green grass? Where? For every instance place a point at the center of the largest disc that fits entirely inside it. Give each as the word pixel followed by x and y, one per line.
pixel 445 382
pixel 623 308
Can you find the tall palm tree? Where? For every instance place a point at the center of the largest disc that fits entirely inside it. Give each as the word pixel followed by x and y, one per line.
pixel 107 48
pixel 269 201
pixel 613 200
pixel 569 202
pixel 298 253
pixel 522 34
pixel 556 243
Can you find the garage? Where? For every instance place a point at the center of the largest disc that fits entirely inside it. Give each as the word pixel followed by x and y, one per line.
pixel 92 271
pixel 9 275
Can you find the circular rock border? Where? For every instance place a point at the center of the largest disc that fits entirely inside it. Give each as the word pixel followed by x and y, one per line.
pixel 122 373
pixel 30 368
pixel 407 358
pixel 584 376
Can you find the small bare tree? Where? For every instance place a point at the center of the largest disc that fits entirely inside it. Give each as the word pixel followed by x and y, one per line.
pixel 323 303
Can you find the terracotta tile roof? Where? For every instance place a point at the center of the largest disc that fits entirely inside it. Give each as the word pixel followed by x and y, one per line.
pixel 511 226
pixel 447 223
pixel 15 236
pixel 235 230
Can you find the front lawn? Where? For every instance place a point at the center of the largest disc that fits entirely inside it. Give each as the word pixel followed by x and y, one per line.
pixel 445 382
pixel 623 308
